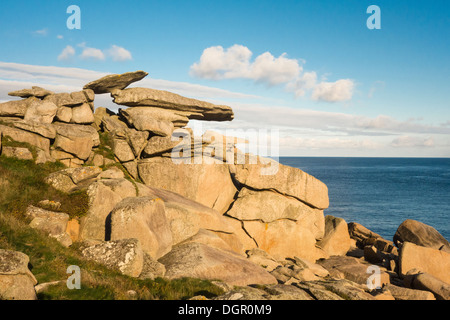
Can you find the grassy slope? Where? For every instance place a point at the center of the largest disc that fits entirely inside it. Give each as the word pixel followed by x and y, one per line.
pixel 21 184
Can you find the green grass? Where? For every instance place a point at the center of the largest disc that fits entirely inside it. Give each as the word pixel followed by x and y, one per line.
pixel 49 261
pixel 22 184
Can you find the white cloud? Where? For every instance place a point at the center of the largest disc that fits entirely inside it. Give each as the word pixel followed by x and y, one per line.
pixel 42 32
pixel 218 63
pixel 67 53
pixel 341 90
pixel 412 142
pixel 303 83
pixel 92 53
pixel 119 54
pixel 16 76
pixel 59 37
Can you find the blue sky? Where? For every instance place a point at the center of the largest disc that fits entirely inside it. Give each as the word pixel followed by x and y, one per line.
pixel 311 69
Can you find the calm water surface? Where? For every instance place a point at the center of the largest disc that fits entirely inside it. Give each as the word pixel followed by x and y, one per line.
pixel 380 193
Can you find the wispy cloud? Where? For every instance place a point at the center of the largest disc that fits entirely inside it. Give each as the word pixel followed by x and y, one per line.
pixel 67 54
pixel 302 131
pixel 119 54
pixel 412 142
pixel 217 63
pixel 60 37
pixel 15 76
pixel 92 54
pixel 42 32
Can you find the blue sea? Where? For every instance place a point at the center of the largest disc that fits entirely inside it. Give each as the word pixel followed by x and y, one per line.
pixel 380 193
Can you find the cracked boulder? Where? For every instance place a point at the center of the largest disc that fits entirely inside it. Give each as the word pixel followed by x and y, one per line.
pixel 124 255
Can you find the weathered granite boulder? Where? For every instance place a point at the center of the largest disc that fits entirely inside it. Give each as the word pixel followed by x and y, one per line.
pixel 401 293
pixel 269 206
pixel 35 91
pixel 201 261
pixel 350 268
pixel 187 217
pixel 27 137
pixel 427 260
pixel 16 280
pixel 99 113
pixel 208 184
pixel 262 258
pixel 71 99
pixel 154 119
pixel 40 112
pixel 143 218
pixel 284 238
pixel 284 180
pixel 115 81
pixel 426 282
pixel 44 129
pixel 67 180
pixel 124 255
pixel 64 114
pixel 151 268
pixel 103 196
pixel 208 238
pixel 158 145
pixel 16 108
pixel 76 139
pixel 342 288
pixel 420 234
pixel 195 109
pixel 52 223
pixel 82 114
pixel 17 152
pixel 122 150
pixel 336 240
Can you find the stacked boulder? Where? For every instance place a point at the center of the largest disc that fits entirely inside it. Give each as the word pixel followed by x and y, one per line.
pixel 200 207
pixel 281 213
pixel 56 125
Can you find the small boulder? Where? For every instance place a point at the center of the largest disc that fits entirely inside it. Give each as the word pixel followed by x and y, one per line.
pixel 432 261
pixel 426 282
pixel 336 240
pixel 197 260
pixel 16 280
pixel 125 255
pixel 420 234
pixel 17 152
pixel 143 218
pixel 41 112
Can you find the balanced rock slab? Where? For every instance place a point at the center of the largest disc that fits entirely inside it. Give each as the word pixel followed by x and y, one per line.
pixel 201 261
pixel 115 81
pixel 196 109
